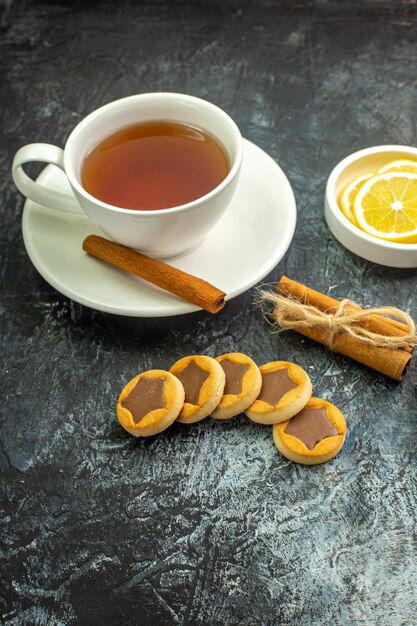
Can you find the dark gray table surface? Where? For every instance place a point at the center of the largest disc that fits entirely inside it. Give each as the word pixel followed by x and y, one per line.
pixel 204 524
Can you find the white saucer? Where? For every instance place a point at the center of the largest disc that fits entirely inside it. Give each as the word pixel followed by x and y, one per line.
pixel 244 246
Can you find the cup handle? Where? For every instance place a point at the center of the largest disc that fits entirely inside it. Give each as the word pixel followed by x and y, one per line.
pixel 44 153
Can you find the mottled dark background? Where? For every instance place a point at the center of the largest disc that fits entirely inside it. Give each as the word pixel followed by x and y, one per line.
pixel 206 524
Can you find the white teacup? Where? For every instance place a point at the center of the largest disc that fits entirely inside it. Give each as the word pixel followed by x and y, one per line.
pixel 161 233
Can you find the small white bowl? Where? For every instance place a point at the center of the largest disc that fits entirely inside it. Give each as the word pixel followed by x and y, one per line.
pixel 354 239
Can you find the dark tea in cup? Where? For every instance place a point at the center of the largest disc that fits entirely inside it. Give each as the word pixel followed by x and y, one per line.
pixel 154 165
pixel 132 157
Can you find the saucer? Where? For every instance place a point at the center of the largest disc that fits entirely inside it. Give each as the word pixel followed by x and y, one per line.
pixel 244 246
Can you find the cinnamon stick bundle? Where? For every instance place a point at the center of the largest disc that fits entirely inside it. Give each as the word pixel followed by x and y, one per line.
pixel 186 286
pixel 375 323
pixel 371 338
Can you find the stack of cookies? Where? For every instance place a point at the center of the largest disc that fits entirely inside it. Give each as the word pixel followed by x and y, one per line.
pixel 306 430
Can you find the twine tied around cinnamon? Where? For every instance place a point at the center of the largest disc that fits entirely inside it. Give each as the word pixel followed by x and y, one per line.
pixel 292 314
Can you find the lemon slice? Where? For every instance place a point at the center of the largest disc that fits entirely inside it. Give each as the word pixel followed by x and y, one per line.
pixel 386 207
pixel 401 165
pixel 348 196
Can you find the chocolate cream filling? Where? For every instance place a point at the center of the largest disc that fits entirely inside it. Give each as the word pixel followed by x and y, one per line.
pixel 311 426
pixel 192 378
pixel 275 385
pixel 234 374
pixel 146 396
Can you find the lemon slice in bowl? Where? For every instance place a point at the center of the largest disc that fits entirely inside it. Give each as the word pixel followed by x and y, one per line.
pixel 386 207
pixel 401 165
pixel 349 194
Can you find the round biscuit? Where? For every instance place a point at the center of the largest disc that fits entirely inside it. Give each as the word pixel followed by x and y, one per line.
pixel 295 449
pixel 298 383
pixel 159 418
pixel 205 380
pixel 231 404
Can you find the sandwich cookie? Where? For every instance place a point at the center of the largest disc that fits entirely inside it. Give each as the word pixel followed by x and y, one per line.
pixel 150 402
pixel 203 379
pixel 242 386
pixel 315 435
pixel 286 389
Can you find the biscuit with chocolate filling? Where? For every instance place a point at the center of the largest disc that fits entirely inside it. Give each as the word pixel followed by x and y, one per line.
pixel 315 435
pixel 150 402
pixel 286 389
pixel 203 380
pixel 242 386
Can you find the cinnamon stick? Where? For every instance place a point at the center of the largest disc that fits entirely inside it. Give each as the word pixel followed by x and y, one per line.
pixel 182 284
pixel 373 322
pixel 392 363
